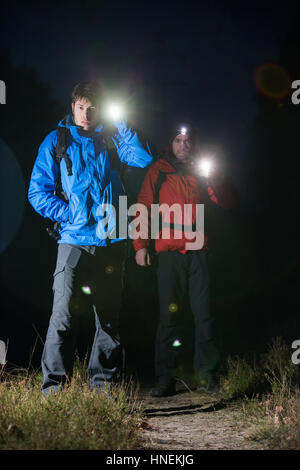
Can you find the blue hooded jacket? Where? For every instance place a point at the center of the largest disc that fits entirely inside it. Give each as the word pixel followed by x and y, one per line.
pixel 94 188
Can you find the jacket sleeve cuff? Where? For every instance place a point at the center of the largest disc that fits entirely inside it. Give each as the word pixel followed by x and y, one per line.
pixel 139 243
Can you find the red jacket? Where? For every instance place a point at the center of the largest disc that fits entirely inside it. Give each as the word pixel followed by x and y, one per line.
pixel 181 190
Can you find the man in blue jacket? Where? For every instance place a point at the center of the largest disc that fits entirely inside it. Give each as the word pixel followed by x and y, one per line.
pixel 90 261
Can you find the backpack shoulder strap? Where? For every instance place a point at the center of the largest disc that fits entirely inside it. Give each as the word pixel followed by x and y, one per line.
pixel 63 140
pixel 162 176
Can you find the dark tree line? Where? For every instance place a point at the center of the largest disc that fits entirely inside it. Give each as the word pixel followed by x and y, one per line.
pixel 255 259
pixel 274 186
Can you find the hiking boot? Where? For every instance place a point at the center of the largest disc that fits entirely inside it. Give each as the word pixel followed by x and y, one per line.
pixel 165 387
pixel 102 389
pixel 209 385
pixel 51 390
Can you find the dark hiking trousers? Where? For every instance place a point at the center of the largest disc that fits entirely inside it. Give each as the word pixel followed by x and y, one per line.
pixel 179 275
pixel 84 284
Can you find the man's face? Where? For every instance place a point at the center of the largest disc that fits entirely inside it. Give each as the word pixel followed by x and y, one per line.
pixel 86 115
pixel 182 147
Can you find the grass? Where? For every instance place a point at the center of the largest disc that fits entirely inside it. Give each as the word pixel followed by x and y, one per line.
pixel 266 390
pixel 73 419
pixel 274 420
pixel 243 377
pixel 270 396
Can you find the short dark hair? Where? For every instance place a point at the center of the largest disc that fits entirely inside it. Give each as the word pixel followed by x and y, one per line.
pixel 90 90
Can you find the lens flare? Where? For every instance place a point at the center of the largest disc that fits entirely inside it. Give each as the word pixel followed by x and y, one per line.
pixel 173 308
pixel 176 343
pixel 272 80
pixel 12 195
pixel 86 290
pixel 109 269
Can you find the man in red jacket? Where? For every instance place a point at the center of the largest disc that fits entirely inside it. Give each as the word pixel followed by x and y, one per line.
pixel 175 178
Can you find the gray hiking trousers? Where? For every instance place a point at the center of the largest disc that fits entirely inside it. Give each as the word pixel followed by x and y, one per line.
pixel 87 280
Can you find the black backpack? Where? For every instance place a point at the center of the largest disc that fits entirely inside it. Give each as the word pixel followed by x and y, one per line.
pixel 63 139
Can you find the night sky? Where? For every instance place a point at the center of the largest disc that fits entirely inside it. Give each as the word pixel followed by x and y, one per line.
pixel 164 61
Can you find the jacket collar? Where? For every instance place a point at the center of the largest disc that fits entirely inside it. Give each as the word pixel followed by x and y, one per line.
pixel 186 168
pixel 76 132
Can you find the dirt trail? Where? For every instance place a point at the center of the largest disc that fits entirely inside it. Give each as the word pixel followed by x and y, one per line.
pixel 192 421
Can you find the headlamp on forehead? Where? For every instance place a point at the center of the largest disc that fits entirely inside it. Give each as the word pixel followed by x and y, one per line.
pixel 183 130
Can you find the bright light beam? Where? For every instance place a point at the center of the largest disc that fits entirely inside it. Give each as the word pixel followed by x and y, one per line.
pixel 205 166
pixel 114 112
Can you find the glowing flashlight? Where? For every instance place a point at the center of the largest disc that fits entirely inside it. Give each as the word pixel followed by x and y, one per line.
pixel 114 112
pixel 205 167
